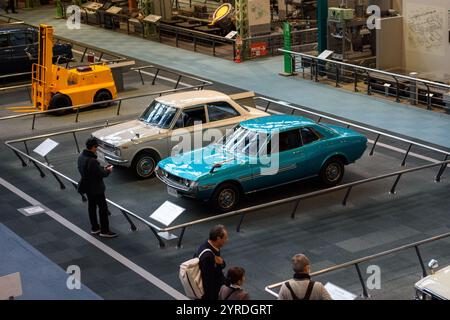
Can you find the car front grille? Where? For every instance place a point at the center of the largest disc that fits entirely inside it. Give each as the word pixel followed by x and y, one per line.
pixel 171 180
pixel 105 146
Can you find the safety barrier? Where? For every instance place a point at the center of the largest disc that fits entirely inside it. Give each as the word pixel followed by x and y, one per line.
pixel 243 212
pixel 412 89
pixel 202 83
pixel 357 262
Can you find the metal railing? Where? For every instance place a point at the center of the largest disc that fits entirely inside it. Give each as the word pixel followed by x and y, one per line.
pixel 357 262
pixel 243 212
pixel 398 86
pixel 203 83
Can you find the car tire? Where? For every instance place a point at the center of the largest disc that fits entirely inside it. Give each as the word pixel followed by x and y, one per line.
pixel 103 95
pixel 144 165
pixel 332 172
pixel 59 101
pixel 226 197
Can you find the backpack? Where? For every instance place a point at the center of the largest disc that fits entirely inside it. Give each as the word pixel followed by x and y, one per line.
pixel 309 290
pixel 191 277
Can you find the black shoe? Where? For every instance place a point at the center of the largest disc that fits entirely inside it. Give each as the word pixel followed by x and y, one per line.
pixel 108 234
pixel 95 231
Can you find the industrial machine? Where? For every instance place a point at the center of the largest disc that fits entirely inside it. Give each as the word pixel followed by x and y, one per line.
pixel 55 87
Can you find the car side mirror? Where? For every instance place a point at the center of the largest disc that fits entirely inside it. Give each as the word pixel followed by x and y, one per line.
pixel 433 265
pixel 214 167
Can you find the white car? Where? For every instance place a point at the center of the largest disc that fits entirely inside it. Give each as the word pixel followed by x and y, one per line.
pixel 435 286
pixel 140 144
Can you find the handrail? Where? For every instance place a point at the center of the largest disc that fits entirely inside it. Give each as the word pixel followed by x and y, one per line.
pixel 348 123
pixel 437 84
pixel 362 260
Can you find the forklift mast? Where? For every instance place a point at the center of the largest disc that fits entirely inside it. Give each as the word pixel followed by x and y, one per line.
pixel 42 71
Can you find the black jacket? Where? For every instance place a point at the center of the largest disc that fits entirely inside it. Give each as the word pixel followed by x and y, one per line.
pixel 212 274
pixel 94 172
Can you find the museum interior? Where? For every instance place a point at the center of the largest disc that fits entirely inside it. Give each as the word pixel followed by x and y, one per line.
pixel 224 150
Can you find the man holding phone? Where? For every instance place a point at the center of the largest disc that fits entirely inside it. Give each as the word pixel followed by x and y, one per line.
pixel 93 173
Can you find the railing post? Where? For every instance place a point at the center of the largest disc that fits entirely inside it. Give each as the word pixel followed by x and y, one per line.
pixel 428 97
pixel 344 202
pixel 406 155
pixel 78 113
pixel 369 88
pixel 140 75
pixel 295 209
pixel 356 80
pixel 392 191
pixel 374 144
pixel 160 242
pixel 337 76
pixel 320 119
pixel 24 164
pixel 61 184
pixel 34 121
pixel 424 270
pixel 180 238
pixel 76 141
pixel 238 229
pixel 176 39
pixel 83 197
pixel 132 225
pixel 267 107
pixel 26 147
pixel 361 280
pixel 397 91
pixel 38 168
pixel 441 170
pixel 178 81
pixel 214 48
pixel 84 53
pixel 156 75
pixel 118 107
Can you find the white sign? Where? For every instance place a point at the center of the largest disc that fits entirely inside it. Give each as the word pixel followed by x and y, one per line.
pixel 167 213
pixel 338 293
pixel 45 147
pixel 10 286
pixel 325 54
pixel 231 34
pixel 33 210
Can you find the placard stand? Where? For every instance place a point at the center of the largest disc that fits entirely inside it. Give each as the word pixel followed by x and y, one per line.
pixel 165 215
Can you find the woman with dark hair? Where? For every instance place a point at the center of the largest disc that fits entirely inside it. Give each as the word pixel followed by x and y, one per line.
pixel 232 290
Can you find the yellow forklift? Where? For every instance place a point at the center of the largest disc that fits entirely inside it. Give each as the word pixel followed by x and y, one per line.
pixel 55 87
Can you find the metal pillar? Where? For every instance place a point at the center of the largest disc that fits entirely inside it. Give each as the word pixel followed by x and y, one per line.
pixel 322 24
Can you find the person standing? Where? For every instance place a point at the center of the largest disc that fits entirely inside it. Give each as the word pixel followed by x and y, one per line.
pixel 301 287
pixel 93 173
pixel 232 289
pixel 11 6
pixel 211 264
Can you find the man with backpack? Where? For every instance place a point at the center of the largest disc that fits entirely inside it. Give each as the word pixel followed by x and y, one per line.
pixel 211 264
pixel 301 287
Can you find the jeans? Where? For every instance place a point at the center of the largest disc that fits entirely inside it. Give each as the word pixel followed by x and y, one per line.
pixel 94 201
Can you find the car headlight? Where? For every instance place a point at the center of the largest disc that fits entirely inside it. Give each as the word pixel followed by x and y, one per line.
pixel 117 152
pixel 189 183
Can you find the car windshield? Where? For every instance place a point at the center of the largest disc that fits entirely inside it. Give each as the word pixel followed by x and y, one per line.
pixel 159 114
pixel 243 141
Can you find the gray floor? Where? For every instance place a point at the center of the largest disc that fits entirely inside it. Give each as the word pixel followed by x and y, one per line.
pixel 326 231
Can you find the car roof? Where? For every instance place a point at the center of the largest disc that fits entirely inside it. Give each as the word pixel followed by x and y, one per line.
pixel 192 98
pixel 437 284
pixel 276 123
pixel 7 27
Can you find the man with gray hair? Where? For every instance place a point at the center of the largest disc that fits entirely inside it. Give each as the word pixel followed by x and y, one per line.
pixel 301 287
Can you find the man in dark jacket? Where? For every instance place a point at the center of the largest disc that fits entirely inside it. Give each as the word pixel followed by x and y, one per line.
pixel 211 264
pixel 93 173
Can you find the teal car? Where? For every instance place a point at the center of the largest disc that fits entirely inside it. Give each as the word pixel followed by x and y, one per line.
pixel 261 153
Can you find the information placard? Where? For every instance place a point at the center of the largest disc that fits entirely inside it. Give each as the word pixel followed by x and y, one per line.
pixel 45 147
pixel 338 293
pixel 167 213
pixel 10 286
pixel 325 54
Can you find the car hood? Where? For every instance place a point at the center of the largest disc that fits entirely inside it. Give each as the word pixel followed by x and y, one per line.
pixel 127 131
pixel 198 163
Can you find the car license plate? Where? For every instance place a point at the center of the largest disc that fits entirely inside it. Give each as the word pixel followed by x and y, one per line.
pixel 173 192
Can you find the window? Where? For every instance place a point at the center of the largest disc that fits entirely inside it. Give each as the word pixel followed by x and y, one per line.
pixel 193 116
pixel 286 140
pixel 308 136
pixel 4 41
pixel 18 39
pixel 159 114
pixel 220 111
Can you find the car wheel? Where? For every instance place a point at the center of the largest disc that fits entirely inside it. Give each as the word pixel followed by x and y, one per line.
pixel 332 172
pixel 103 95
pixel 59 101
pixel 225 197
pixel 144 165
